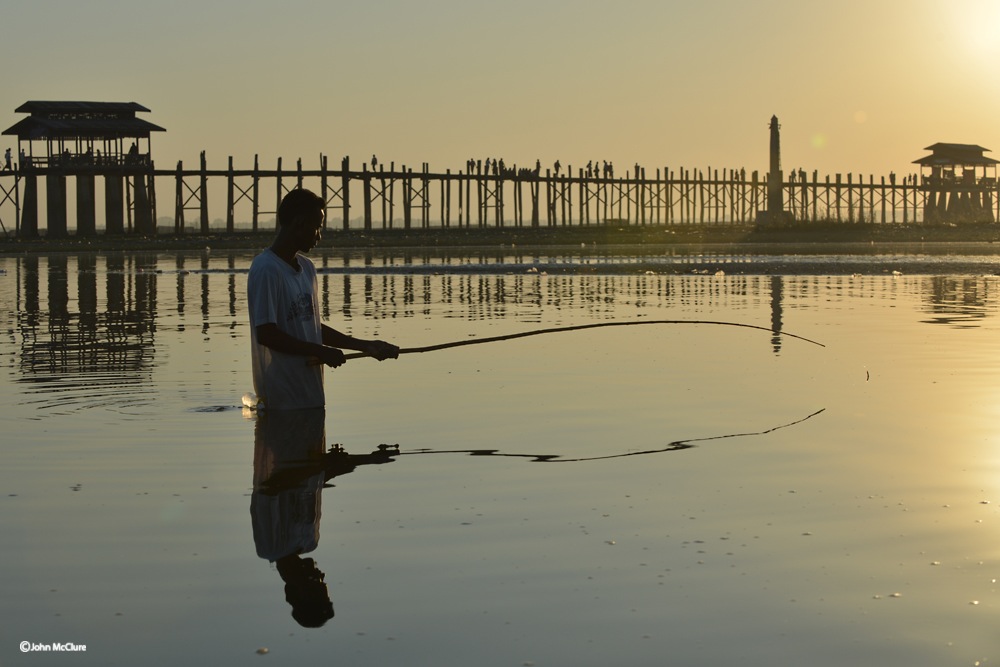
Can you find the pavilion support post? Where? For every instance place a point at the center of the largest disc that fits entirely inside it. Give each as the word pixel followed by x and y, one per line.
pixel 114 203
pixel 86 219
pixel 29 207
pixel 55 201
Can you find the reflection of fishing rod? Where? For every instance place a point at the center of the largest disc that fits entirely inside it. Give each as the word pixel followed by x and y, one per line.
pixel 578 327
pixel 674 446
pixel 333 463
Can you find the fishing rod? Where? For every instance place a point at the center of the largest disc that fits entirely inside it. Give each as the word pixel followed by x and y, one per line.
pixel 577 327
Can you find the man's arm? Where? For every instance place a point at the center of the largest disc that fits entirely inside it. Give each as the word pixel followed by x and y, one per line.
pixel 271 336
pixel 379 349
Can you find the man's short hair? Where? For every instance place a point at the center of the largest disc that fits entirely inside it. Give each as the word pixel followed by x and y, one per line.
pixel 299 204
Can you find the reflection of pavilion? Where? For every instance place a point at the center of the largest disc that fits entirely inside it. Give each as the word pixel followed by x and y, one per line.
pixel 112 343
pixel 957 301
pixel 956 190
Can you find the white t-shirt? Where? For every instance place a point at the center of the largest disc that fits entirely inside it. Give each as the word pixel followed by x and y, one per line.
pixel 278 294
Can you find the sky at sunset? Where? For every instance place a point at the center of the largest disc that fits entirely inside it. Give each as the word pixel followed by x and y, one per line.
pixel 859 86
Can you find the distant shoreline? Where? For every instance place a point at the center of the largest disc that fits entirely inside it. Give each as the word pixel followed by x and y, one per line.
pixel 831 235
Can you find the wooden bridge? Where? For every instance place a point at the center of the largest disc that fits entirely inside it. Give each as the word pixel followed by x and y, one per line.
pixel 388 197
pixel 86 140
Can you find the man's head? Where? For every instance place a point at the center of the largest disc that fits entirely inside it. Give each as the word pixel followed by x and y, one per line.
pixel 300 205
pixel 300 216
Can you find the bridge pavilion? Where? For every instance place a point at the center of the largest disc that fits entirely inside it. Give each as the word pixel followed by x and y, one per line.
pixel 960 183
pixel 84 140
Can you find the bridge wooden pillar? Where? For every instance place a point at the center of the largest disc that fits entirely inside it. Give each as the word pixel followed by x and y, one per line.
pixel 230 199
pixel 203 181
pixel 366 182
pixel 345 166
pixel 144 223
pixel 324 188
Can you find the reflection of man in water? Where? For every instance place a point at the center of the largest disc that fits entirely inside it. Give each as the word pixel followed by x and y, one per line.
pixel 285 506
pixel 290 467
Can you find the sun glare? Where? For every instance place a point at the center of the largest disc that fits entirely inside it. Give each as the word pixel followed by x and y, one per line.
pixel 979 28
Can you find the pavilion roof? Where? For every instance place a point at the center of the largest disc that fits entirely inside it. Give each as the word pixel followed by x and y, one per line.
pixel 72 120
pixel 956 155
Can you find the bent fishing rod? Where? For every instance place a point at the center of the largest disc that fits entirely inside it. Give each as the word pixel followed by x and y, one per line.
pixel 578 327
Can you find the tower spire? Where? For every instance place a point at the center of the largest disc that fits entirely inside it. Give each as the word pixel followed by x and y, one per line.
pixel 775 194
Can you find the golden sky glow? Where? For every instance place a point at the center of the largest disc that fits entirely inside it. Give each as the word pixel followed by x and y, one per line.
pixel 859 86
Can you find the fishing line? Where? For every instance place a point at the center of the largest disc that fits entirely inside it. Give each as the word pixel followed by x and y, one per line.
pixel 579 327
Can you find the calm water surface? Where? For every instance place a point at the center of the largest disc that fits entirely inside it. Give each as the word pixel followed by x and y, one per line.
pixel 682 494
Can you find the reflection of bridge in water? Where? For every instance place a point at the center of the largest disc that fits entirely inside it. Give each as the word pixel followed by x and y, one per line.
pixel 96 316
